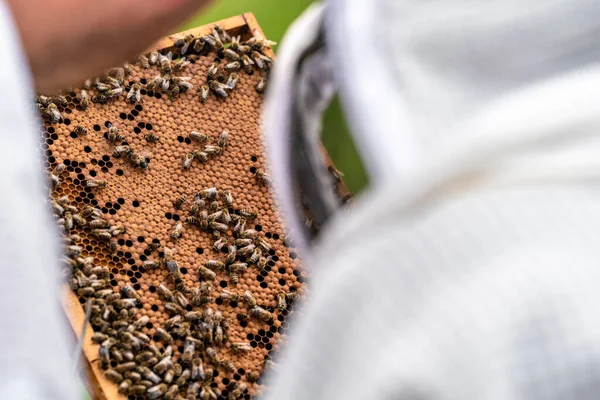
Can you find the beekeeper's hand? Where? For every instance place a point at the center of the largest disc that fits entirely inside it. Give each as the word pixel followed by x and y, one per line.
pixel 67 41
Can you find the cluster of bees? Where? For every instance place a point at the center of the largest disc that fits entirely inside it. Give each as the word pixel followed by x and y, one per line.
pixel 148 365
pixel 246 56
pixel 130 357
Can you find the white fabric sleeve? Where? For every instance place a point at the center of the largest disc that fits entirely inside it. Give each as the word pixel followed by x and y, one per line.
pixel 488 295
pixel 34 357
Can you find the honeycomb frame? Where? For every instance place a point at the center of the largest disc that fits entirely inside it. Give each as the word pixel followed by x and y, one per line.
pixel 99 387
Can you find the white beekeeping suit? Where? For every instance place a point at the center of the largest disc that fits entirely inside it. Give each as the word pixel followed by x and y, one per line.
pixel 470 268
pixel 34 360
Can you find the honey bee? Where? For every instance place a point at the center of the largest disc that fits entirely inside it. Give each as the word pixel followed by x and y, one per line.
pixel 260 313
pixel 151 264
pixel 228 366
pixel 248 213
pixel 248 64
pixel 215 265
pixel 177 203
pixel 113 375
pixel 80 130
pixel 125 303
pixel 246 250
pixel 84 99
pixel 263 244
pixel 157 391
pixel 174 93
pixel 57 171
pixel 155 83
pixel 239 390
pixel 95 184
pixel 292 296
pixel 219 244
pixel 261 61
pixel 163 335
pixel 128 366
pixel 203 219
pixel 224 36
pixel 144 62
pixel 172 392
pixel 153 58
pixel 192 220
pixel 86 291
pixel 249 298
pixel 243 242
pixel 193 390
pixel 209 193
pixel 204 92
pixel 255 257
pixel 125 386
pixel 141 322
pixel 129 292
pixel 200 156
pixel 235 42
pixel 165 63
pixel 223 137
pixel 231 54
pixel 123 150
pixel 218 226
pixel 151 137
pixel 163 365
pixel 102 234
pixel 198 137
pixel 60 100
pixel 239 267
pixel 184 43
pixel 251 377
pixel 232 80
pixel 181 299
pixel 211 149
pixel 216 215
pixel 101 86
pixel 114 136
pixel 180 65
pixel 52 114
pixel 197 369
pixel 114 93
pixel 262 84
pixel 225 216
pixel 263 178
pixel 99 98
pixel 154 245
pixel 218 89
pixel 187 160
pixel 249 233
pixel 138 160
pixel 173 322
pixel 233 66
pixel 117 230
pixel 134 94
pixel 112 245
pixel 206 273
pixel 335 173
pixel 189 348
pixel 213 69
pixel 281 301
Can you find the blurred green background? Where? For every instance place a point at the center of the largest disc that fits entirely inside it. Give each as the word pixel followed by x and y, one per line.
pixel 274 17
